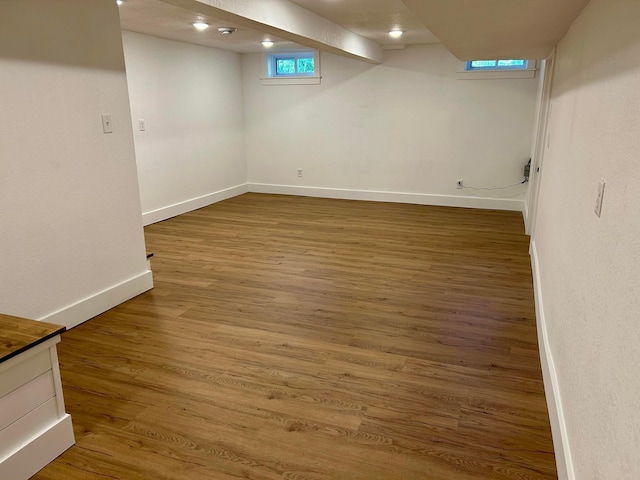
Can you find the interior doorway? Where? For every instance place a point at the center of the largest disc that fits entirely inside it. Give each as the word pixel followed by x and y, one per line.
pixel 541 144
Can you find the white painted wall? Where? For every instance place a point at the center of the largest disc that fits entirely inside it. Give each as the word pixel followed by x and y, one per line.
pixel 407 126
pixel 71 238
pixel 192 150
pixel 589 267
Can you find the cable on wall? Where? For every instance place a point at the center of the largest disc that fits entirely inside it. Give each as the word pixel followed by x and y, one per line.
pixel 469 187
pixel 506 191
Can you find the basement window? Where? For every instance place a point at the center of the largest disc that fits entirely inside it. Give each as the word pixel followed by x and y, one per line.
pixel 484 65
pixel 301 67
pixel 496 69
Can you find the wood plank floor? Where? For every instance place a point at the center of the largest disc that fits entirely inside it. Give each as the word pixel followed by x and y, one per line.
pixel 304 339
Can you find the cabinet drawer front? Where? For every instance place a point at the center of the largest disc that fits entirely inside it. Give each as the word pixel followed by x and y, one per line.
pixel 24 372
pixel 24 399
pixel 28 427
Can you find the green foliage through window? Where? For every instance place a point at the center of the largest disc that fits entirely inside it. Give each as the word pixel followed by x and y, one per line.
pixel 505 64
pixel 291 64
pixel 305 65
pixel 285 66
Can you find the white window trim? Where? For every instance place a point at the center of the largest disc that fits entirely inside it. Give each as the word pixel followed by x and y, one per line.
pixel 308 80
pixel 529 72
pixel 291 80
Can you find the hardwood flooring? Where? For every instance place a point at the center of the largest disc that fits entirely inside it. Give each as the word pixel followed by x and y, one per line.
pixel 305 339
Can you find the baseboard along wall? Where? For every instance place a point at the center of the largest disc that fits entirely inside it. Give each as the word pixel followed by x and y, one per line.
pixel 100 302
pixel 550 377
pixel 397 197
pixel 192 204
pixel 176 209
pixel 39 451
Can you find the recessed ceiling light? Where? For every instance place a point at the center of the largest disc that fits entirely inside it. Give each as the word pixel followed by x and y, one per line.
pixel 119 2
pixel 200 25
pixel 267 43
pixel 395 33
pixel 227 30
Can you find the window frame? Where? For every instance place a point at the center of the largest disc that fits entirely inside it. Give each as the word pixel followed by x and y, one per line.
pixel 270 77
pixel 494 73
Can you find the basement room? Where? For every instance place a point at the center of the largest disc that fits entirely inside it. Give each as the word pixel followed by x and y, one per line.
pixel 319 239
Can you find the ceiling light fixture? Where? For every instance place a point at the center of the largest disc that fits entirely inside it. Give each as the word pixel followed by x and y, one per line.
pixel 118 2
pixel 200 25
pixel 395 33
pixel 227 30
pixel 267 43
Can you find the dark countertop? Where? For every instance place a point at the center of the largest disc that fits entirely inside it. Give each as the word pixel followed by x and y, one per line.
pixel 19 334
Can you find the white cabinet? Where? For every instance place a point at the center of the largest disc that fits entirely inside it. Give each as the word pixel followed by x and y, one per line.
pixel 34 427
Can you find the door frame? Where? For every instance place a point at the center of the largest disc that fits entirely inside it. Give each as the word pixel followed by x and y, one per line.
pixel 542 143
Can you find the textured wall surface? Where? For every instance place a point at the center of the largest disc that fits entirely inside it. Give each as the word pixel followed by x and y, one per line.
pixel 590 266
pixel 407 125
pixel 191 100
pixel 69 200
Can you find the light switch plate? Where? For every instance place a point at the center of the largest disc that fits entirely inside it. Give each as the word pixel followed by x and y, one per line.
pixel 141 124
pixel 107 126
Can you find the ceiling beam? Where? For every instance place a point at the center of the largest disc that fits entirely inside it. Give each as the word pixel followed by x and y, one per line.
pixel 288 21
pixel 494 29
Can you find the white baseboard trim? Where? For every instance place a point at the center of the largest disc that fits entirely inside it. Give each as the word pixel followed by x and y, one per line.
pixel 89 307
pixel 550 377
pixel 397 197
pixel 39 451
pixel 193 204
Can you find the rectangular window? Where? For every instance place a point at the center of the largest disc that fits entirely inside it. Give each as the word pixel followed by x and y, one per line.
pixel 483 65
pixel 512 68
pixel 296 64
pixel 293 67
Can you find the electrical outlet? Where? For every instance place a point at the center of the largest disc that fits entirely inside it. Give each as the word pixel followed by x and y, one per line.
pixel 299 172
pixel 459 184
pixel 600 196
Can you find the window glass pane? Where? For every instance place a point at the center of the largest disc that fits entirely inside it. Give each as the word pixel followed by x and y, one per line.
pixel 503 64
pixel 483 63
pixel 285 66
pixel 305 65
pixel 292 64
pixel 512 63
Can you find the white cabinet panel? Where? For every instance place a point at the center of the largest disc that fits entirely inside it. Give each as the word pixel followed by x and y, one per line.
pixel 28 427
pixel 24 372
pixel 29 396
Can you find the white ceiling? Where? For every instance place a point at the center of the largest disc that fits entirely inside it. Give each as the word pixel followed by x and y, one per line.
pixel 373 19
pixel 160 19
pixel 470 29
